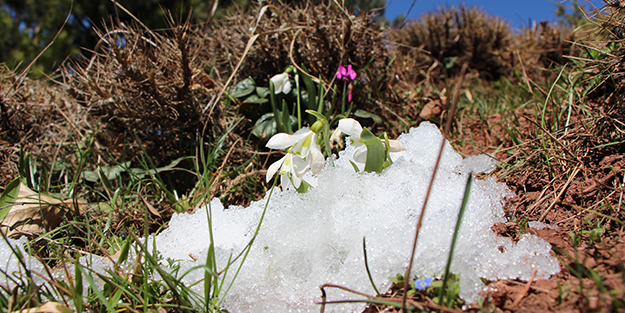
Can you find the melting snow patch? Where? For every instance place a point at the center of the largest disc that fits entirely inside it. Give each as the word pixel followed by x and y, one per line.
pixel 310 239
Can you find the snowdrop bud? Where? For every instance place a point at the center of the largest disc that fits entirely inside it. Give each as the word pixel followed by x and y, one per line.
pixel 316 126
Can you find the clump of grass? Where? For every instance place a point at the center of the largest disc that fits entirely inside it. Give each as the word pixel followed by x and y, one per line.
pixel 539 47
pixel 317 37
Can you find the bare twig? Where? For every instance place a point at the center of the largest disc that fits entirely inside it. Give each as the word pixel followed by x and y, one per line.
pixel 250 42
pixel 324 297
pixel 557 198
pixel 525 290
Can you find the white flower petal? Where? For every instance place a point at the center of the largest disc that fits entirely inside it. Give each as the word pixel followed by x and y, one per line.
pixel 395 146
pixel 281 83
pixel 302 132
pixel 281 141
pixel 273 168
pixel 299 166
pixel 286 87
pixel 285 181
pixel 360 155
pixel 336 135
pixel 351 127
pixel 316 160
pixel 304 142
pixel 296 181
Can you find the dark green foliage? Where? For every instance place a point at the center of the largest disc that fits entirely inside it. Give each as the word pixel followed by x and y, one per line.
pixel 28 26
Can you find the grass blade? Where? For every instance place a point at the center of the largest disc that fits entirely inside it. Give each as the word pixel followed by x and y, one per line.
pixel 9 195
pixel 77 292
pixel 465 201
pixel 364 250
pixel 95 289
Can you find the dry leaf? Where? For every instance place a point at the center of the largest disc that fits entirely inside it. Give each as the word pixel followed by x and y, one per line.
pixel 150 207
pixel 31 209
pixel 469 95
pixel 433 108
pixel 50 307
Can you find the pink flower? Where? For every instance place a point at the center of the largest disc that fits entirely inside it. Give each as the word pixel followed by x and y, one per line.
pixel 346 73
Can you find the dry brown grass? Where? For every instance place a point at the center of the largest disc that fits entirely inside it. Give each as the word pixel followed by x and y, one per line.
pixel 153 84
pixel 38 117
pixel 437 44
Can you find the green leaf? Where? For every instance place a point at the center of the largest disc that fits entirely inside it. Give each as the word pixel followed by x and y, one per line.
pixel 243 88
pixel 77 291
pixel 319 116
pixel 9 195
pixel 255 99
pixel 262 92
pixel 274 108
pixel 356 169
pixel 123 255
pixel 105 181
pixel 450 62
pixel 320 106
pixel 90 176
pixel 27 169
pixel 310 89
pixel 141 172
pixel 96 290
pixel 286 117
pixel 303 187
pixel 208 276
pixel 365 114
pixel 265 126
pixel 376 151
pixel 113 172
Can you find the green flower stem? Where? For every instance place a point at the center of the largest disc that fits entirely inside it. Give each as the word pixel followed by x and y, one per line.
pixel 299 111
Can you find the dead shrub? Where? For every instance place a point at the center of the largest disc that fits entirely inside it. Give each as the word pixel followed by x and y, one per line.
pixel 440 42
pixel 39 118
pixel 158 84
pixel 154 85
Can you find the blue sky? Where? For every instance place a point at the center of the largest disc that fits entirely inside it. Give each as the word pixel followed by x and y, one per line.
pixel 517 12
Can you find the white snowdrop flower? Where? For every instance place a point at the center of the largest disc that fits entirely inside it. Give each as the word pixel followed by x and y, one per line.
pixel 352 128
pixel 281 83
pixel 303 154
pixel 291 168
